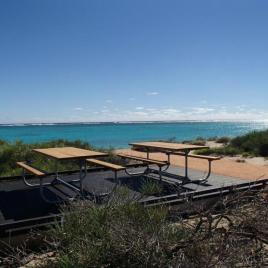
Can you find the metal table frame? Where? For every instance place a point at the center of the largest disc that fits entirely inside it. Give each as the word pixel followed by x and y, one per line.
pixel 57 179
pixel 184 148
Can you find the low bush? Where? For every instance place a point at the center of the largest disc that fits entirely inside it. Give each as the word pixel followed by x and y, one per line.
pixel 227 150
pixel 212 138
pixel 117 235
pixel 125 234
pixel 199 142
pixel 223 140
pixel 122 233
pixel 255 143
pixel 251 144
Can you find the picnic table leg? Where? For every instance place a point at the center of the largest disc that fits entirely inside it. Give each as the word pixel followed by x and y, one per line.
pixel 168 156
pixel 57 176
pixel 82 174
pixel 186 163
pixel 148 154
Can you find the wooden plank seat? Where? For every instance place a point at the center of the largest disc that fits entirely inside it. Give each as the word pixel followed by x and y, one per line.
pixel 111 166
pixel 159 164
pixel 31 169
pixel 115 168
pixel 206 157
pixel 36 173
pixel 144 160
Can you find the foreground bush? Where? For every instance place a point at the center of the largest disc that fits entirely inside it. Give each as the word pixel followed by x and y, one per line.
pixel 122 233
pixel 125 234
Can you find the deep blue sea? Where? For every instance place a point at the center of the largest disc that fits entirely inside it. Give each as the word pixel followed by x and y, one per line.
pixel 118 135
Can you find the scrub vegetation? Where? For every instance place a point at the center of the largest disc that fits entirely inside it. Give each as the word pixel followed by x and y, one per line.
pixel 252 144
pixel 123 233
pixel 10 153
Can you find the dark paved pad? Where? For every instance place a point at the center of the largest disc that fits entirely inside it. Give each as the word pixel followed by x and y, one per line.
pixel 214 181
pixel 19 202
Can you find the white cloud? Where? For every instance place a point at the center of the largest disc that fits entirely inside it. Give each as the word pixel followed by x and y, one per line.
pixel 78 109
pixel 171 110
pixel 108 101
pixel 139 113
pixel 202 110
pixel 152 93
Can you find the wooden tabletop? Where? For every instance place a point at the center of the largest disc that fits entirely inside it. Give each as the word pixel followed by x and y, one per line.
pixel 65 153
pixel 168 146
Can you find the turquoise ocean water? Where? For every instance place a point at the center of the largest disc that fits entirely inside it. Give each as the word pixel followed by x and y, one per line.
pixel 118 135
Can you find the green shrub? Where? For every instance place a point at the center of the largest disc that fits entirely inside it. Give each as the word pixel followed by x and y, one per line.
pixel 199 142
pixel 212 138
pixel 246 155
pixel 2 142
pixel 200 138
pixel 251 144
pixel 151 188
pixel 224 140
pixel 126 234
pixel 116 235
pixel 227 150
pixel 255 142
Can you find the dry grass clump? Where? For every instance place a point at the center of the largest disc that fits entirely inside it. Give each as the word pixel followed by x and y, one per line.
pixel 122 233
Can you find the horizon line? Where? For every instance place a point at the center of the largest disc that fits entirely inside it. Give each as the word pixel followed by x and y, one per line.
pixel 131 121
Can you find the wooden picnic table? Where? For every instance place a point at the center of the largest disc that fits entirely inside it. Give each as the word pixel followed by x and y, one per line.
pixel 69 153
pixel 168 148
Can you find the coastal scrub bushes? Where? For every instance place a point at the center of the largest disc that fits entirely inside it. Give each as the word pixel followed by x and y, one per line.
pixel 10 153
pixel 123 233
pixel 231 232
pixel 252 144
pixel 226 150
pixel 223 140
pixel 255 143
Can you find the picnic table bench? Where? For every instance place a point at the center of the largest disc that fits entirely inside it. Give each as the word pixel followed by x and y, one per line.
pixel 177 149
pixel 60 154
pixel 115 168
pixel 31 169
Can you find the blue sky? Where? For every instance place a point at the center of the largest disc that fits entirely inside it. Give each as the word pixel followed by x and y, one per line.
pixel 122 60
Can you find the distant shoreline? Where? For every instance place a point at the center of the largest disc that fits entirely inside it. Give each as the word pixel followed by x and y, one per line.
pixel 130 122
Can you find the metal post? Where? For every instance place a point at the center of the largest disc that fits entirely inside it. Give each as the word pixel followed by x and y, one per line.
pixel 168 155
pixel 116 177
pixel 57 168
pixel 186 163
pixel 160 173
pixel 82 163
pixel 148 153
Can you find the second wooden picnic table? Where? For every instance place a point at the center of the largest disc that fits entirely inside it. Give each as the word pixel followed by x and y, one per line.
pixel 168 148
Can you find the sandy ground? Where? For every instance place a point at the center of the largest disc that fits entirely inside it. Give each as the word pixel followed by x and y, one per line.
pixel 213 144
pixel 250 168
